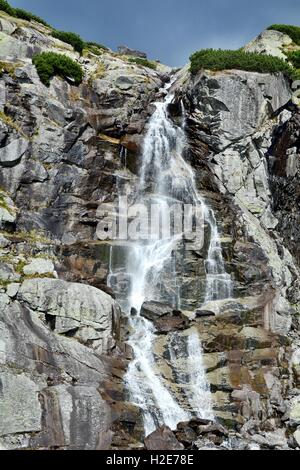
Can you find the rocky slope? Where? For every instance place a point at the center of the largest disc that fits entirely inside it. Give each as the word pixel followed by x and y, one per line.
pixel 64 152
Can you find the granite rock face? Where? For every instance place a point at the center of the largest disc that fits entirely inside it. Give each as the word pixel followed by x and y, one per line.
pixel 246 151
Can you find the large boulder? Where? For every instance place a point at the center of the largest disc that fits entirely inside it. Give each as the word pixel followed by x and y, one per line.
pixel 163 439
pixel 19 404
pixel 39 266
pixel 269 42
pixel 51 386
pixel 124 50
pixel 164 317
pixel 234 105
pixel 13 152
pixel 83 311
pixel 8 211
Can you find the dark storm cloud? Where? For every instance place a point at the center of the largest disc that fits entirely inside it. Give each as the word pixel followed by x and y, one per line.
pixel 169 30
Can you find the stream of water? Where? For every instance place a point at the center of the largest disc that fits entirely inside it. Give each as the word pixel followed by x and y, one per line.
pixel 166 177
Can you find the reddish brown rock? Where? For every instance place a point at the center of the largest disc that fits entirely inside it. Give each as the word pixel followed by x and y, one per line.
pixel 163 439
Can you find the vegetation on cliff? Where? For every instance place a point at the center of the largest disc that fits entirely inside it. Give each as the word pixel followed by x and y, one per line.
pixel 292 31
pixel 91 45
pixel 20 13
pixel 143 62
pixel 49 64
pixel 70 38
pixel 294 57
pixel 212 59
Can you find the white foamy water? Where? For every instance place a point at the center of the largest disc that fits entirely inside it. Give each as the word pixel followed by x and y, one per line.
pixel 166 177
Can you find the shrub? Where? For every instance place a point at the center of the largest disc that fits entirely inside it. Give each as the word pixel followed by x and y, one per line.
pixel 70 38
pixel 49 64
pixel 20 13
pixel 292 31
pixel 90 44
pixel 5 6
pixel 294 57
pixel 27 15
pixel 143 62
pixel 226 59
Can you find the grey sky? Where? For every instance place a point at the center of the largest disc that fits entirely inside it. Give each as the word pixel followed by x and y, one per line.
pixel 169 30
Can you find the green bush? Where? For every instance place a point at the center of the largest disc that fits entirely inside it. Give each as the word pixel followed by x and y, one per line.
pixel 20 13
pixel 226 59
pixel 27 15
pixel 292 31
pixel 90 44
pixel 5 6
pixel 143 62
pixel 49 64
pixel 294 57
pixel 70 38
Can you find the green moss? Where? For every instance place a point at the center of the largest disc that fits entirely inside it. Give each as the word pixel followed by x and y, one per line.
pixel 292 31
pixel 49 64
pixel 211 59
pixel 143 62
pixel 70 38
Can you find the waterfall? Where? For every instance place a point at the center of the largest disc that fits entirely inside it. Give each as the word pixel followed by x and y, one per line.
pixel 218 282
pixel 165 177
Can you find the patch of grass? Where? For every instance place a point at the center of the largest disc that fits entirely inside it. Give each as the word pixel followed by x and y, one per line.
pixel 20 266
pixel 11 123
pixel 20 13
pixel 3 203
pixel 7 67
pixel 212 59
pixel 4 284
pixel 292 31
pixel 49 64
pixel 70 38
pixel 98 73
pixel 33 236
pixel 143 62
pixel 39 276
pixel 7 119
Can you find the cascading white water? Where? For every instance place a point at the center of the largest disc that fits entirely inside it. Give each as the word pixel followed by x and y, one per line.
pixel 218 282
pixel 165 177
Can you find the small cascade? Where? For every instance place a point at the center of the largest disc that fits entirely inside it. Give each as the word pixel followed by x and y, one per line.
pixel 218 282
pixel 165 177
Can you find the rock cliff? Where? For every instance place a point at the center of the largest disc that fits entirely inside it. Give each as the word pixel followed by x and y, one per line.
pixel 64 153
